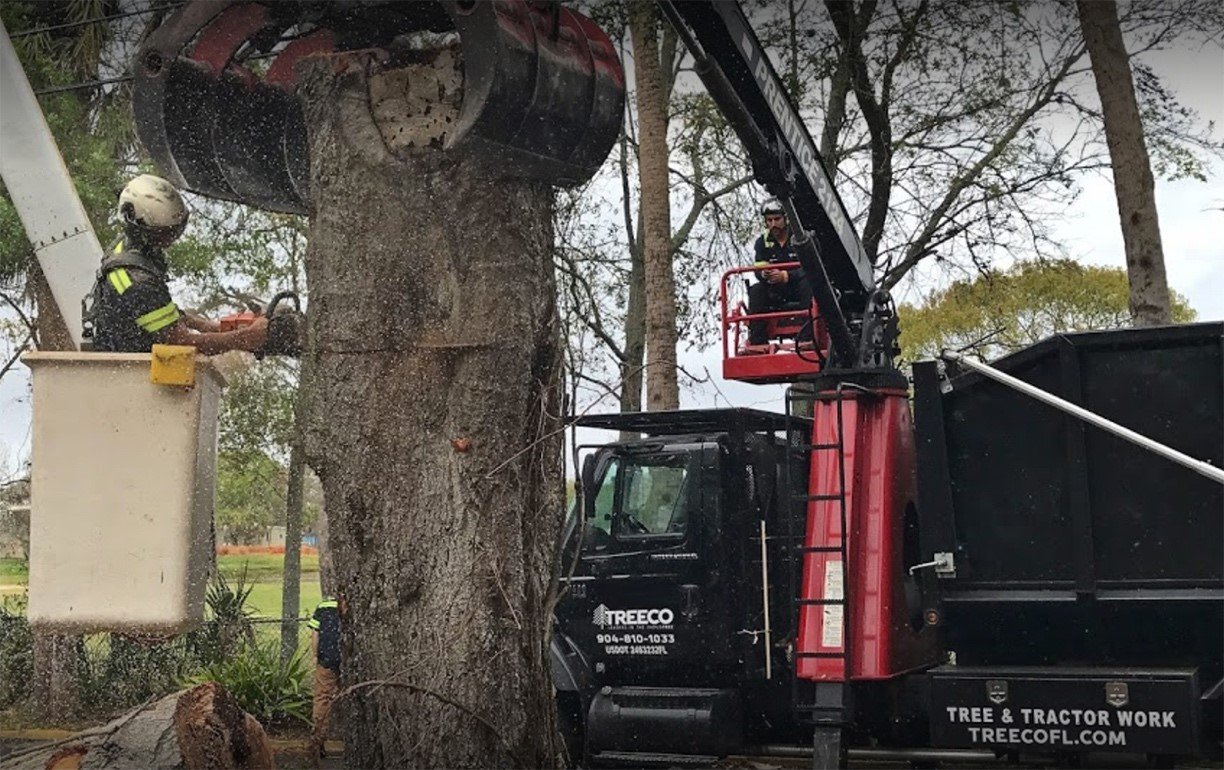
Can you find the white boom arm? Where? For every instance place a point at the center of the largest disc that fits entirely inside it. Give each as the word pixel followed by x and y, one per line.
pixel 38 183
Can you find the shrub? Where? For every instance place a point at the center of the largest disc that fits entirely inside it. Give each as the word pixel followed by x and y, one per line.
pixel 273 690
pixel 116 672
pixel 230 626
pixel 16 653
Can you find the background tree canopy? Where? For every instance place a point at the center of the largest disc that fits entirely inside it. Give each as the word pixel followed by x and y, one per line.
pixel 1003 311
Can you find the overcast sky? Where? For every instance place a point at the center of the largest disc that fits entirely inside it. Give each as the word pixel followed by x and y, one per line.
pixel 1191 224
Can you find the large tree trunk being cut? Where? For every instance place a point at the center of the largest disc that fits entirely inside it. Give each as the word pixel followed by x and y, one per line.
pixel 198 729
pixel 431 420
pixel 1134 185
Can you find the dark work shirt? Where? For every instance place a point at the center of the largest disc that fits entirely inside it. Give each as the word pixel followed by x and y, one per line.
pixel 768 250
pixel 133 308
pixel 326 620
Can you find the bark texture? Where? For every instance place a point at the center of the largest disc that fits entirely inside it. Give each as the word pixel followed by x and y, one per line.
pixel 431 413
pixel 662 387
pixel 194 729
pixel 1134 185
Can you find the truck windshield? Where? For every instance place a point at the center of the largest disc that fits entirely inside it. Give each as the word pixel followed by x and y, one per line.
pixel 642 497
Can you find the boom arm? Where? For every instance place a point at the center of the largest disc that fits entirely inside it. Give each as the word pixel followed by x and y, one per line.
pixel 740 79
pixel 42 192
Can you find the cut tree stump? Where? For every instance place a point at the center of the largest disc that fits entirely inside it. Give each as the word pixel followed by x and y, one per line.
pixel 195 729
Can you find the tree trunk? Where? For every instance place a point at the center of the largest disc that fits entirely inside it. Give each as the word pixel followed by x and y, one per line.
pixel 635 309
pixel 292 580
pixel 662 387
pixel 55 693
pixel 1134 185
pixel 192 729
pixel 432 421
pixel 52 330
pixel 327 570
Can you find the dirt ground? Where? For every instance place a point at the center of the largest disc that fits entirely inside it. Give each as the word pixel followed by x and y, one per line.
pixel 291 752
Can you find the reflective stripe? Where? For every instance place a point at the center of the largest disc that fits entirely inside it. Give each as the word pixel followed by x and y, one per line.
pixel 119 247
pixel 312 623
pixel 328 603
pixel 156 320
pixel 119 279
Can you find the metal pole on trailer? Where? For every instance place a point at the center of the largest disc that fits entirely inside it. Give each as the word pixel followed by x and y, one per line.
pixel 1198 466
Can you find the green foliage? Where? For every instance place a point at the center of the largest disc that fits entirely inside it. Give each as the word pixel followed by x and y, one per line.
pixel 273 690
pixel 93 133
pixel 230 626
pixel 1002 311
pixel 258 412
pixel 16 653
pixel 115 672
pixel 250 493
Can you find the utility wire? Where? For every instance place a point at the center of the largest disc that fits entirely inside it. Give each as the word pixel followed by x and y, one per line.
pixel 98 20
pixel 82 86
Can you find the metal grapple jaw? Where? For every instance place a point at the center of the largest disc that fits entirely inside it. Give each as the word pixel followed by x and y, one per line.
pixel 215 91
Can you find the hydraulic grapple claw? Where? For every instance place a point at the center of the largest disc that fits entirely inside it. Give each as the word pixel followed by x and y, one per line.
pixel 216 108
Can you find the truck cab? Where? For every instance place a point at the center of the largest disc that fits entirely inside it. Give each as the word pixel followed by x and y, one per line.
pixel 664 644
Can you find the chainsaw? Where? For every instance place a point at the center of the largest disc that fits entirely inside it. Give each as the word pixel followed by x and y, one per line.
pixel 286 324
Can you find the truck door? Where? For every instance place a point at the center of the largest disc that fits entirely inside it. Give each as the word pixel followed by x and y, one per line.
pixel 637 603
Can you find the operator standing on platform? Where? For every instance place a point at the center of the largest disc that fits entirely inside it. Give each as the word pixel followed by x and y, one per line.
pixel 130 307
pixel 777 287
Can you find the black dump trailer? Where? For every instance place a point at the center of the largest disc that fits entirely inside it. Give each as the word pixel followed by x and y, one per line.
pixel 1081 584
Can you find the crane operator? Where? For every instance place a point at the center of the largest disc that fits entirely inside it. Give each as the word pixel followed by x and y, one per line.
pixel 777 288
pixel 130 309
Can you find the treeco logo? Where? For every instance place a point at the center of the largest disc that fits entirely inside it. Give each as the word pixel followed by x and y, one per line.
pixel 604 617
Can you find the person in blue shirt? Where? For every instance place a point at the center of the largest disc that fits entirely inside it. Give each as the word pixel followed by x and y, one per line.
pixel 324 627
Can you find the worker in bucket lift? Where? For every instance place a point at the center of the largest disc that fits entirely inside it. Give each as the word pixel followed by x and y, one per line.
pixel 777 288
pixel 130 309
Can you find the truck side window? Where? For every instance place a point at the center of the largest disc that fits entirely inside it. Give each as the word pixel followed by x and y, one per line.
pixel 654 497
pixel 599 523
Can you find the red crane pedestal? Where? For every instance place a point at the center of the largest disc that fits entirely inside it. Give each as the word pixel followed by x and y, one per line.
pixel 863 459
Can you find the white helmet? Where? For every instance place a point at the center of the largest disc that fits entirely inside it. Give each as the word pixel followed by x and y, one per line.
pixel 772 207
pixel 152 203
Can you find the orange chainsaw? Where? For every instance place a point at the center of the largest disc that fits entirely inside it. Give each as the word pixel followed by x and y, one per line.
pixel 286 325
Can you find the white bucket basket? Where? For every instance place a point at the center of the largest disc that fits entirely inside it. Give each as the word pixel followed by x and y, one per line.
pixel 122 484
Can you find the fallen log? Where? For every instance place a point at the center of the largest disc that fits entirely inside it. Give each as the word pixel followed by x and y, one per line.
pixel 201 728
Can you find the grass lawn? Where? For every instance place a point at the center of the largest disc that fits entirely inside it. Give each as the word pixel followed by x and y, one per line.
pixel 15 571
pixel 262 566
pixel 263 570
pixel 265 597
